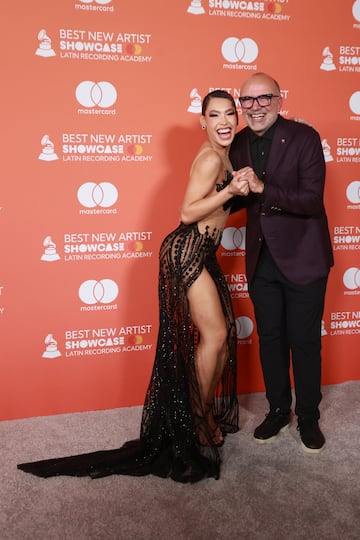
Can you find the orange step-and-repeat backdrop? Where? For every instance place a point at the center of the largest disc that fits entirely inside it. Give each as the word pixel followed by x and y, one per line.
pixel 100 122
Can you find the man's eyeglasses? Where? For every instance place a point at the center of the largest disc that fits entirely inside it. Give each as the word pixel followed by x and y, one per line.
pixel 264 100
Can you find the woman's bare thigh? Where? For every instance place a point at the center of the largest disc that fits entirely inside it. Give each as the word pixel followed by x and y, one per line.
pixel 205 306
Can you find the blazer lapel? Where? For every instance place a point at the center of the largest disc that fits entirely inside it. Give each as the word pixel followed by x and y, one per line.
pixel 279 147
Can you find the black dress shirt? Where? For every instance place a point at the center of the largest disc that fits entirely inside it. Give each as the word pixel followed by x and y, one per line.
pixel 260 148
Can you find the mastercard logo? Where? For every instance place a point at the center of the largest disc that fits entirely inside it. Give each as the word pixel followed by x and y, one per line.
pixel 134 340
pixel 133 48
pixel 134 149
pixel 134 245
pixel 274 8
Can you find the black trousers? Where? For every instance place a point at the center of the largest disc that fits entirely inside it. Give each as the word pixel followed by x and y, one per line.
pixel 288 318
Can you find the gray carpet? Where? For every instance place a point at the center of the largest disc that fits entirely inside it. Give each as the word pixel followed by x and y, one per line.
pixel 265 492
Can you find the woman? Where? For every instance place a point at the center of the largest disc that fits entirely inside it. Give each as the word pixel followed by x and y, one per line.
pixel 191 401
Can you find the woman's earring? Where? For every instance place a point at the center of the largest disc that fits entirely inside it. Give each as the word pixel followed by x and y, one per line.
pixel 203 126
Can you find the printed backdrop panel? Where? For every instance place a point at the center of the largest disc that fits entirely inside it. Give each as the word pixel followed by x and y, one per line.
pixel 101 122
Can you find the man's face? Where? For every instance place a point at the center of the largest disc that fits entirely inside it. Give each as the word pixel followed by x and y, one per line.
pixel 260 117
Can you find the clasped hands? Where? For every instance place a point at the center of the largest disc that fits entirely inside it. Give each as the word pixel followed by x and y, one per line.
pixel 245 180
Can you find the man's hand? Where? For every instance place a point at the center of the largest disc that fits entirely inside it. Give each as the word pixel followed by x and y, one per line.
pixel 248 175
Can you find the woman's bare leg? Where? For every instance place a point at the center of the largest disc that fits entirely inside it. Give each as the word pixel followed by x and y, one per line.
pixel 207 315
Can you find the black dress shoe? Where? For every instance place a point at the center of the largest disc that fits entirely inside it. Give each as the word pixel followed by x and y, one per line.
pixel 312 439
pixel 270 428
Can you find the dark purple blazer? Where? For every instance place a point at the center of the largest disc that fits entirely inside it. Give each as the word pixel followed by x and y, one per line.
pixel 291 214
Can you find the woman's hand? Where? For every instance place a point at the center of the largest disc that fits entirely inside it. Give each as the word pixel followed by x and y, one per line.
pixel 302 121
pixel 239 185
pixel 244 181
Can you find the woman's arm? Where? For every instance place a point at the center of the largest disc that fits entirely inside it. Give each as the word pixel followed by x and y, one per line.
pixel 200 198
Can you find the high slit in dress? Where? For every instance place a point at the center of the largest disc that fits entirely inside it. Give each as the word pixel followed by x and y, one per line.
pixel 172 417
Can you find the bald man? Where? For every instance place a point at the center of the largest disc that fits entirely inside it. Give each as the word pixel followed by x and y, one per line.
pixel 288 255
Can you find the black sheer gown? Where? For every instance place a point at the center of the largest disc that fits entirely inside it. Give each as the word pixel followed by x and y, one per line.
pixel 173 419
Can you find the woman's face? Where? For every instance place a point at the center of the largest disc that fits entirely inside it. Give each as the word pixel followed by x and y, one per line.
pixel 220 120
